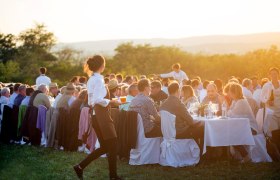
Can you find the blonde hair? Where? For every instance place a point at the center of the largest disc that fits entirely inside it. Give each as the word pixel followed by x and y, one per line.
pixel 188 90
pixel 236 89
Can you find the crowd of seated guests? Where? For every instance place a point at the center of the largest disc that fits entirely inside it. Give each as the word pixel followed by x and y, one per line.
pixel 147 96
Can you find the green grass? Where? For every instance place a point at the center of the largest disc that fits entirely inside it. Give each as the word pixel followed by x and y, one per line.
pixel 27 162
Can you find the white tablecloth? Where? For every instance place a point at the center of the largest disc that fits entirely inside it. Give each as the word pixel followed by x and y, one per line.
pixel 226 132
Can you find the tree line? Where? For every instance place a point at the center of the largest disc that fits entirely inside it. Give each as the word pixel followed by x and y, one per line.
pixel 22 55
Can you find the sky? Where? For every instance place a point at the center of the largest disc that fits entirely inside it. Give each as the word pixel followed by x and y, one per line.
pixel 91 20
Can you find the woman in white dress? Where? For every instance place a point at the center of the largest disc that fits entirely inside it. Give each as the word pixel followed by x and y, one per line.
pixel 240 108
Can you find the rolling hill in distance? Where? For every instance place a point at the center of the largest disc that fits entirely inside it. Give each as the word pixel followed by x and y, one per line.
pixel 215 44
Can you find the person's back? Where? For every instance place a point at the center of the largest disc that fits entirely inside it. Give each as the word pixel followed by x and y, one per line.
pixel 174 106
pixel 43 79
pixel 42 99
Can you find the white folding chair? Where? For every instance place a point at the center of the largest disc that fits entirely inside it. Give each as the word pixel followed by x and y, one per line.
pixel 147 150
pixel 176 152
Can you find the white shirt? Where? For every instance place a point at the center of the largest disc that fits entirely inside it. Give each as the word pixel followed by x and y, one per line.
pixel 202 94
pixel 247 93
pixel 71 100
pixel 97 90
pixel 257 96
pixel 266 91
pixel 43 79
pixel 25 101
pixel 180 76
pixel 165 89
pixel 4 100
pixel 57 98
pixel 12 99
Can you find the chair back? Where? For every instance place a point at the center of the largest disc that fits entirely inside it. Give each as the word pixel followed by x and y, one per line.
pixel 168 125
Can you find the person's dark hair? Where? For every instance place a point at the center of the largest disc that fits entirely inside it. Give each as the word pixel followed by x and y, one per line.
pixel 198 78
pixel 205 84
pixel 142 84
pixel 219 84
pixel 43 70
pixel 16 86
pixel 119 76
pixel 263 81
pixel 128 78
pixel 195 82
pixel 274 69
pixel 29 91
pixel 173 88
pixel 74 79
pixel 94 63
pixel 165 81
pixel 254 78
pixel 187 82
pixel 156 84
pixel 83 79
pixel 112 76
pixel 106 80
pixel 176 66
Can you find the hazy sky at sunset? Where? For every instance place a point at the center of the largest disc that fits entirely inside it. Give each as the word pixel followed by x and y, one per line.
pixel 86 20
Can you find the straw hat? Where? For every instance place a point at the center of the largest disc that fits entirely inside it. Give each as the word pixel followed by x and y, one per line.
pixel 53 85
pixel 70 88
pixel 113 83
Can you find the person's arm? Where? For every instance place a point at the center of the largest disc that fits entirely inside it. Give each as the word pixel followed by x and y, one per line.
pixel 96 95
pixel 184 76
pixel 265 93
pixel 185 114
pixel 152 111
pixel 167 75
pixel 46 101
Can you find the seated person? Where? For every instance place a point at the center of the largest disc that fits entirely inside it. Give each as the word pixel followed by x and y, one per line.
pixel 5 94
pixel 113 87
pixel 132 92
pixel 157 94
pixel 247 88
pixel 67 97
pixel 213 96
pixel 29 92
pixel 241 108
pixel 186 127
pixel 143 105
pixel 53 88
pixel 188 96
pixel 21 95
pixel 41 97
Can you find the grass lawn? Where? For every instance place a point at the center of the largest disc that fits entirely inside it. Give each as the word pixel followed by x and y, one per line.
pixel 27 162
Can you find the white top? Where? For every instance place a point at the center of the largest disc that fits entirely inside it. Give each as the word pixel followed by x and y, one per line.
pixel 165 89
pixel 266 91
pixel 57 98
pixel 4 100
pixel 247 93
pixel 202 94
pixel 97 91
pixel 71 100
pixel 257 96
pixel 242 109
pixel 25 101
pixel 180 76
pixel 12 99
pixel 43 79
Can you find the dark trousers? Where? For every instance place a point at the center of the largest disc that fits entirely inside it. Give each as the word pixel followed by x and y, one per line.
pixel 155 132
pixel 196 132
pixel 108 146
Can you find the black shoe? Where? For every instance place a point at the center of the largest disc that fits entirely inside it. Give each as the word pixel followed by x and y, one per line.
pixel 116 178
pixel 79 172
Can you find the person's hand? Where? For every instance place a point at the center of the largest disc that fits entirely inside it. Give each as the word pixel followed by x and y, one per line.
pixel 115 102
